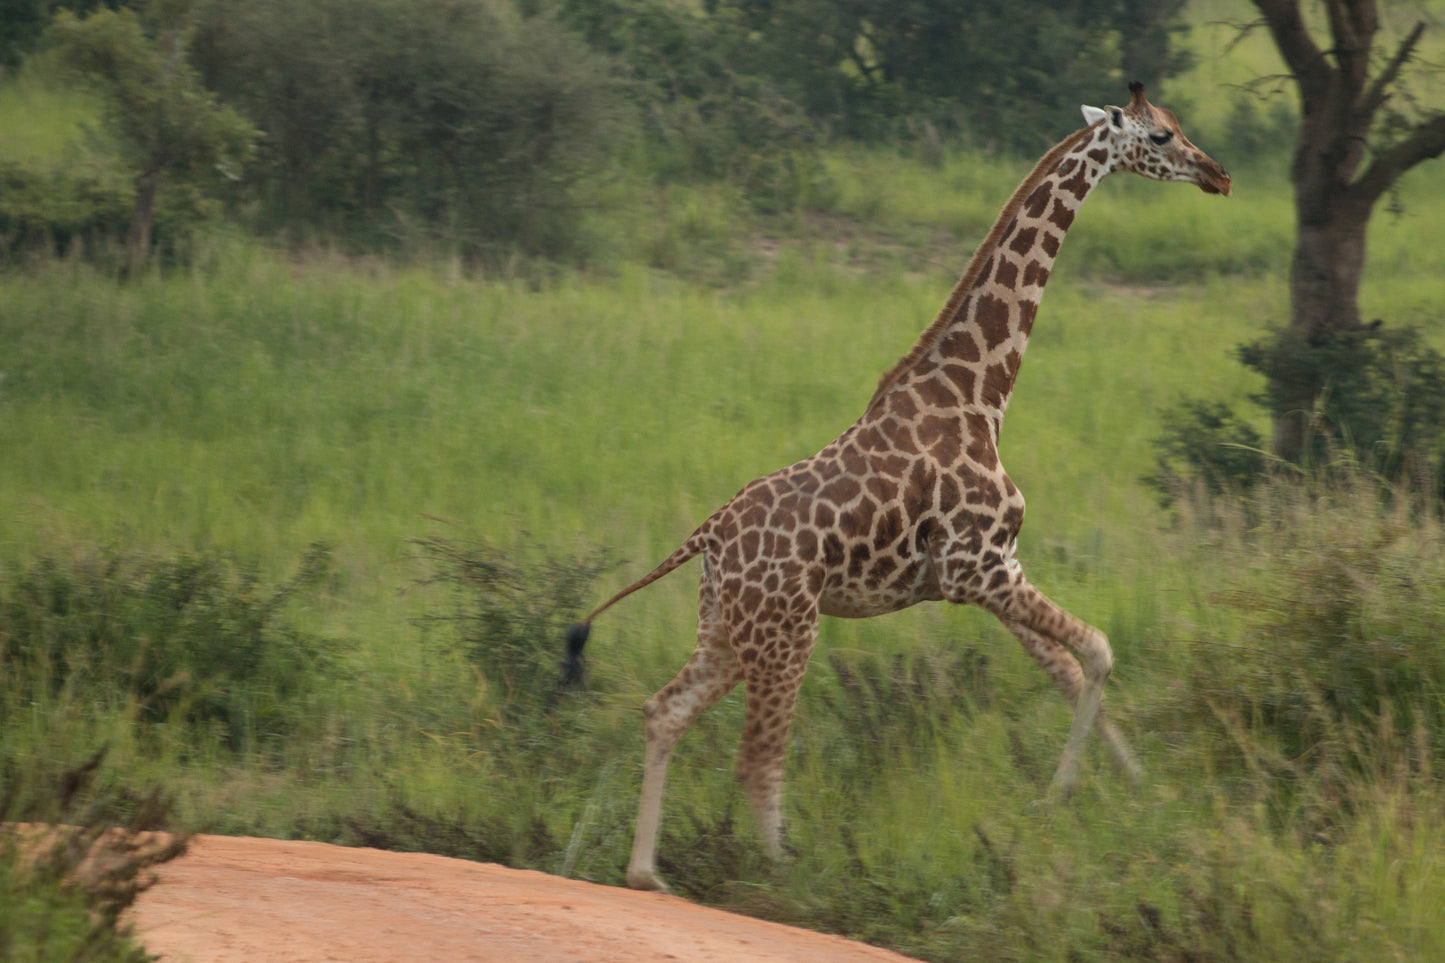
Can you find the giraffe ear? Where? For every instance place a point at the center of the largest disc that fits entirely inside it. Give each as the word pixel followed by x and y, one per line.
pixel 1092 115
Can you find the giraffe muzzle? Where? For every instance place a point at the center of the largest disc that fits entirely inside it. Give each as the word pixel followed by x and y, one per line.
pixel 1214 179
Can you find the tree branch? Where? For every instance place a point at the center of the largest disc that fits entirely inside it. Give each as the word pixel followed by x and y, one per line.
pixel 1241 32
pixel 1341 29
pixel 1305 59
pixel 1353 24
pixel 1426 141
pixel 1379 90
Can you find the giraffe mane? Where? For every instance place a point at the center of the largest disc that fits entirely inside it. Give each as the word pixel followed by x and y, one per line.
pixel 969 279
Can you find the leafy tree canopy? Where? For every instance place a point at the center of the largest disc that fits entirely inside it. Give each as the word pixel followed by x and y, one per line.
pixel 452 118
pixel 167 123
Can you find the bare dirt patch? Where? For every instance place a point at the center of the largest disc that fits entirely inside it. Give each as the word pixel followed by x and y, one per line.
pixel 238 898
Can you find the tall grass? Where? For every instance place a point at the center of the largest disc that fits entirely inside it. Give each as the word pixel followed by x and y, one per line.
pixel 203 428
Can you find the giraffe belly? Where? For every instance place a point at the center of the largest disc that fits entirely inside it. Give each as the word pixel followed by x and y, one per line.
pixel 869 593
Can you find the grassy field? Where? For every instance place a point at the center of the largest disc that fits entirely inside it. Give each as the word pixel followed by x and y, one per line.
pixel 295 535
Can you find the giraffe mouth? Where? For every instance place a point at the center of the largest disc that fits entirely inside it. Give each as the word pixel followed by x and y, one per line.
pixel 1214 181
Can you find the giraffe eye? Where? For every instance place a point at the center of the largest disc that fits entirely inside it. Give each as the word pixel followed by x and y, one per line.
pixel 1162 137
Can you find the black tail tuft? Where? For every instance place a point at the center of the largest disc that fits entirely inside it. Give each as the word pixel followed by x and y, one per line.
pixel 573 672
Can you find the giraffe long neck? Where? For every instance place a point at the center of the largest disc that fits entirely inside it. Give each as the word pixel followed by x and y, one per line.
pixel 978 340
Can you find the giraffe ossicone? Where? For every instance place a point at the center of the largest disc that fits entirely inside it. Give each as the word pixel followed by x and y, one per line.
pixel 910 504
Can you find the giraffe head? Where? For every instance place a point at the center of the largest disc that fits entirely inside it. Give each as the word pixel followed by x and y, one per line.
pixel 1147 140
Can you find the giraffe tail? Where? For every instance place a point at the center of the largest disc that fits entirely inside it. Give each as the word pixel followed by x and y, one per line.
pixel 573 670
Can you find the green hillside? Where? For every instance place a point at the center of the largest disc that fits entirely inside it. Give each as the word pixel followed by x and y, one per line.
pixel 294 531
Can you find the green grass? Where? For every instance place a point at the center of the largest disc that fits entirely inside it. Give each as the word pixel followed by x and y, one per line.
pixel 242 410
pixel 262 404
pixel 346 407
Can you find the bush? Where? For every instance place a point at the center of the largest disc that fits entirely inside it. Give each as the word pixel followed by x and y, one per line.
pixel 70 209
pixel 1379 392
pixel 449 122
pixel 69 867
pixel 1336 676
pixel 705 112
pixel 191 637
pixel 510 612
pixel 1379 399
pixel 1206 443
pixel 58 209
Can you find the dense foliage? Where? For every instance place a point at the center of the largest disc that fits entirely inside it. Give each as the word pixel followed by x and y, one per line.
pixel 989 68
pixel 474 125
pixel 166 125
pixel 1378 397
pixel 448 121
pixel 186 639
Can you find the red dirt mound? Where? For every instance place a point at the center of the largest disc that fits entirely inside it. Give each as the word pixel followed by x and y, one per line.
pixel 236 898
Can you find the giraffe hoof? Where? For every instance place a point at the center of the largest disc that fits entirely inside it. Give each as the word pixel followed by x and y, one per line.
pixel 1134 773
pixel 1063 787
pixel 646 879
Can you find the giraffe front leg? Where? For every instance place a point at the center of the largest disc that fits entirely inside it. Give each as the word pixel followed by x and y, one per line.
pixel 1096 662
pixel 1086 711
pixel 1064 669
pixel 1077 656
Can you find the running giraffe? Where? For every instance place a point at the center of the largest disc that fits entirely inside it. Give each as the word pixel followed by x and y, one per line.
pixel 908 505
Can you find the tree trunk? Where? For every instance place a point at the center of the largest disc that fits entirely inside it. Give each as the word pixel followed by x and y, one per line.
pixel 138 237
pixel 1338 175
pixel 1329 259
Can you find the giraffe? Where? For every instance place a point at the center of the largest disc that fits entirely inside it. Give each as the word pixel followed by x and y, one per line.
pixel 910 504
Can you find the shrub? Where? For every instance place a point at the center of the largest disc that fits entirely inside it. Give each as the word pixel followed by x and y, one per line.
pixel 705 112
pixel 71 209
pixel 1205 442
pixel 69 867
pixel 1378 391
pixel 192 637
pixel 448 122
pixel 1335 675
pixel 510 612
pixel 57 209
pixel 166 128
pixel 1379 399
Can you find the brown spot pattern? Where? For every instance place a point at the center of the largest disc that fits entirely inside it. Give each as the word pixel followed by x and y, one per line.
pixel 910 504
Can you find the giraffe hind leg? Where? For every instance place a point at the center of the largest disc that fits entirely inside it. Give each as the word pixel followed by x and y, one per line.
pixel 712 671
pixel 771 698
